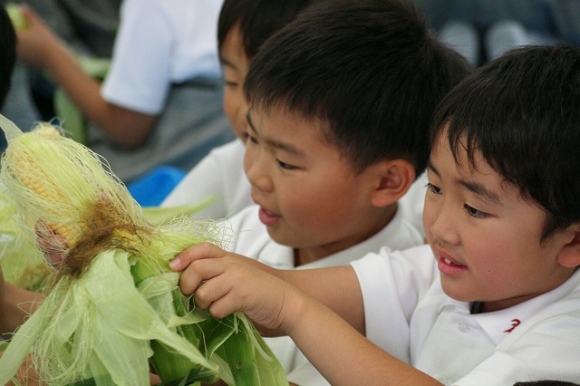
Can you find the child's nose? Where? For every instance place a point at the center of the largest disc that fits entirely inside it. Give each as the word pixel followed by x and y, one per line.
pixel 256 171
pixel 443 225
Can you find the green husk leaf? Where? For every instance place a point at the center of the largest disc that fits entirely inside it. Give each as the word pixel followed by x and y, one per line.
pixel 21 261
pixel 114 306
pixel 106 337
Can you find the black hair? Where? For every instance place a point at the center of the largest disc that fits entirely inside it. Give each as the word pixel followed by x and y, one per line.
pixel 521 112
pixel 8 50
pixel 257 19
pixel 369 70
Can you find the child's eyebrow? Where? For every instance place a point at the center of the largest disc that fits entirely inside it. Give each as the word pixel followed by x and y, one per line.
pixel 275 144
pixel 474 187
pixel 481 190
pixel 432 167
pixel 227 63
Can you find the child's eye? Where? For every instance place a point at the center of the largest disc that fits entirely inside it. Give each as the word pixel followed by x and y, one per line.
pixel 285 166
pixel 434 189
pixel 230 83
pixel 249 138
pixel 474 212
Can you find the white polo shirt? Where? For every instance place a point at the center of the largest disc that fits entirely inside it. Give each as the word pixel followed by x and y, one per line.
pixel 160 43
pixel 406 308
pixel 251 239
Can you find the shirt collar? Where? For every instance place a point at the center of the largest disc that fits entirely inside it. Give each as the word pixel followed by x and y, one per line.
pixel 499 324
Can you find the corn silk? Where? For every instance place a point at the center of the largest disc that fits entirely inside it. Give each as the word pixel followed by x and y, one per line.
pixel 113 309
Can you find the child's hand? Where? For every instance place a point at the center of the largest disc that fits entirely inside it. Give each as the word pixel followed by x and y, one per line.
pixel 225 283
pixel 36 41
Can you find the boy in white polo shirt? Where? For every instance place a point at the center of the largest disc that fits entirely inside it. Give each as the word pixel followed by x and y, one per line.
pixel 337 132
pixel 243 26
pixel 495 297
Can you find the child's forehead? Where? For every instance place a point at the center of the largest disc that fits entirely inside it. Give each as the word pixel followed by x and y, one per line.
pixel 278 123
pixel 233 45
pixel 468 160
pixel 279 116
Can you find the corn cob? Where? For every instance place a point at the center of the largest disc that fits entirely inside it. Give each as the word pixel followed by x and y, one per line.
pixel 29 174
pixel 115 270
pixel 69 198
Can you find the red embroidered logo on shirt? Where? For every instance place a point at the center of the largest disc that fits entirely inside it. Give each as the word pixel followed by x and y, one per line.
pixel 515 323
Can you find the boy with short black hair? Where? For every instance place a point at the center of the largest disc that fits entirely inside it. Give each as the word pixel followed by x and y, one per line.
pixel 341 100
pixel 340 105
pixel 243 26
pixel 495 297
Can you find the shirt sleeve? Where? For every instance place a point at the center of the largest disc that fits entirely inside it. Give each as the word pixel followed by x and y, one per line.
pixel 392 283
pixel 201 183
pixel 138 78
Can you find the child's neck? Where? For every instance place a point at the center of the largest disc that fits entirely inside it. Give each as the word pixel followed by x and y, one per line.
pixel 301 257
pixel 304 256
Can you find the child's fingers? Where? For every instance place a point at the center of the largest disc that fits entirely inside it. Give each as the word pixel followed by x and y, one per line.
pixel 222 284
pixel 211 292
pixel 154 379
pixel 196 252
pixel 222 307
pixel 198 272
pixel 218 277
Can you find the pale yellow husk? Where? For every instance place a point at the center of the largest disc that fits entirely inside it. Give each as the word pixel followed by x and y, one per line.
pixel 115 306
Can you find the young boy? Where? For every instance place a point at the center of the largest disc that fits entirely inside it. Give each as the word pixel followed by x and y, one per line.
pixel 338 128
pixel 341 99
pixel 243 26
pixel 160 102
pixel 495 297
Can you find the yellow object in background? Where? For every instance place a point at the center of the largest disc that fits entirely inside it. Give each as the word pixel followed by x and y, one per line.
pixel 15 14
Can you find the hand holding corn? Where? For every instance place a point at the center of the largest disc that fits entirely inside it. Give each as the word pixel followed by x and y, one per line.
pixel 225 283
pixel 115 303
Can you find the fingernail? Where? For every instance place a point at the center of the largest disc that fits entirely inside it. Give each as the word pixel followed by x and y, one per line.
pixel 175 263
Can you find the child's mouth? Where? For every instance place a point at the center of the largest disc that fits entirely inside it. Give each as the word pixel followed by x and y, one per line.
pixel 268 218
pixel 450 267
pixel 447 261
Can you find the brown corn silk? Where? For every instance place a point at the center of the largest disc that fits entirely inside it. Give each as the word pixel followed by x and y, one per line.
pixel 114 307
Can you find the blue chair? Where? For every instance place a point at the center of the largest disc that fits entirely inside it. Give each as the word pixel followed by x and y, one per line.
pixel 153 187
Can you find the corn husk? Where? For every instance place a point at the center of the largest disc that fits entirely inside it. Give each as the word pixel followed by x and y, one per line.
pixel 22 263
pixel 114 307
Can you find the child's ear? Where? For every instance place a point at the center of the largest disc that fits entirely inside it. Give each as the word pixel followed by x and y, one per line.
pixel 570 254
pixel 395 178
